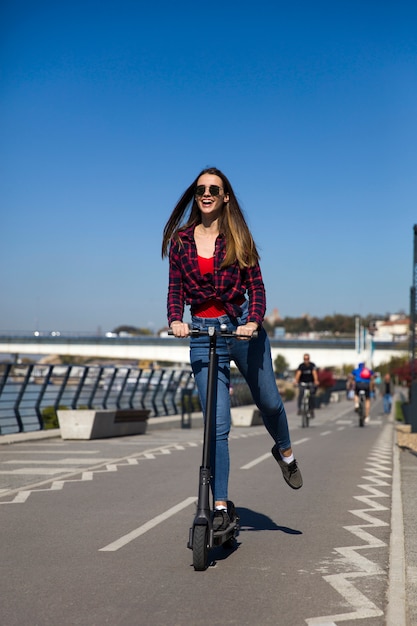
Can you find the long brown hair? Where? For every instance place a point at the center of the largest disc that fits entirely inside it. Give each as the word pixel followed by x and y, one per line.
pixel 240 245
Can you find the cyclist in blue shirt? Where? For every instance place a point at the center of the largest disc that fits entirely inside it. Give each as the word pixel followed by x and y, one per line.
pixel 363 377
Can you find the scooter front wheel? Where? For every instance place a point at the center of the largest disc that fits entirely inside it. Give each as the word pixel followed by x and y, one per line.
pixel 200 547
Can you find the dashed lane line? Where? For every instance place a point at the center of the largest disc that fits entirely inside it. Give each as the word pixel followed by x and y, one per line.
pixel 134 534
pixel 268 455
pixel 256 461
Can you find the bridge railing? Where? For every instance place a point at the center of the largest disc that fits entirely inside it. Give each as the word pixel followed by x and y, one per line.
pixel 31 394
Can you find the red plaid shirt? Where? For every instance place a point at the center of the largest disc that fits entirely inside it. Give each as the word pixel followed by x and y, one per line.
pixel 229 285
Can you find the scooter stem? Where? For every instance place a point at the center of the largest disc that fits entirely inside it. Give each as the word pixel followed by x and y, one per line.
pixel 211 392
pixel 203 505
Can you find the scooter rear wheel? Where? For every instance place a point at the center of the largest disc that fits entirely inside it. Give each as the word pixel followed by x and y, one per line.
pixel 200 548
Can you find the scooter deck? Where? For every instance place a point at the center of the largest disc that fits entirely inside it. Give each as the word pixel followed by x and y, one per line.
pixel 221 536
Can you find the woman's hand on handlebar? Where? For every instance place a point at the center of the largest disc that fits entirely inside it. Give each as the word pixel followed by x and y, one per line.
pixel 180 329
pixel 246 330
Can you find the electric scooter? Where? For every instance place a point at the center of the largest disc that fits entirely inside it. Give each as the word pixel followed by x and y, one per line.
pixel 202 536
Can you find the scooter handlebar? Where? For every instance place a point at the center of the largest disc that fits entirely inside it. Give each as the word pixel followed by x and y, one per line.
pixel 196 332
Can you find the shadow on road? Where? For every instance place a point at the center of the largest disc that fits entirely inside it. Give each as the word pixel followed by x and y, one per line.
pixel 254 521
pixel 249 521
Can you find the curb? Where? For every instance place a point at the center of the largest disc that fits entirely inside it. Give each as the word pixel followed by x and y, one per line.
pixel 154 423
pixel 195 420
pixel 396 605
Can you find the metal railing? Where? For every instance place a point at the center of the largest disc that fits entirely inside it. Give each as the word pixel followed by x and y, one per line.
pixel 30 395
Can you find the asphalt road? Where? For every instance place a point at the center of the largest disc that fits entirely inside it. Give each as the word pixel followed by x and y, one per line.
pixel 95 532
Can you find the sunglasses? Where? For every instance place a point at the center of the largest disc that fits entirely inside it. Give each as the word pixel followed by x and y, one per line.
pixel 214 190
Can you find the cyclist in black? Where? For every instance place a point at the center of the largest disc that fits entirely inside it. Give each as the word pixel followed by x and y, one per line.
pixel 306 373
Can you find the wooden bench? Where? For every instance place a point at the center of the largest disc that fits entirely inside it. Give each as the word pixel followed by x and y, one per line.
pixel 102 423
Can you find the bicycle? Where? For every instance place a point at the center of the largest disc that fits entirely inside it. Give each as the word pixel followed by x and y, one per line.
pixel 202 536
pixel 306 404
pixel 362 407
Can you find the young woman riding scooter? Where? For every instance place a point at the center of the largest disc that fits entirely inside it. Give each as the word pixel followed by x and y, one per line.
pixel 214 269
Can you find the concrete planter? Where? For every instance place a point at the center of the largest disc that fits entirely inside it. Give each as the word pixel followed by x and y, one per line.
pixel 102 423
pixel 246 416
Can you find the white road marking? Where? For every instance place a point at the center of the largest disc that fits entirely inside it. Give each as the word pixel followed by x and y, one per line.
pixel 134 534
pixel 361 566
pixel 326 432
pixel 14 451
pixel 268 455
pixel 256 461
pixel 72 474
pixel 85 461
pixel 37 470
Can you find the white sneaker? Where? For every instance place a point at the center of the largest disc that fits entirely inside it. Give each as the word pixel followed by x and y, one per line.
pixel 367 420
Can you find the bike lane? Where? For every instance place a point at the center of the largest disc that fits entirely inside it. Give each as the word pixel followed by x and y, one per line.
pixel 294 557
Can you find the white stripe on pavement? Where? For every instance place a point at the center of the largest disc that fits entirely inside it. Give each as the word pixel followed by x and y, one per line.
pixel 32 471
pixel 268 456
pixel 73 461
pixel 134 534
pixel 256 461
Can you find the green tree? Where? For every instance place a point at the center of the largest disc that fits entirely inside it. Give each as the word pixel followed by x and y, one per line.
pixel 296 325
pixel 280 364
pixel 132 330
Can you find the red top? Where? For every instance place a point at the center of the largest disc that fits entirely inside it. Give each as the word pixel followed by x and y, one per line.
pixel 212 307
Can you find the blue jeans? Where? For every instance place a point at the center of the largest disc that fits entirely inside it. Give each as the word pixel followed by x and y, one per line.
pixel 387 403
pixel 253 359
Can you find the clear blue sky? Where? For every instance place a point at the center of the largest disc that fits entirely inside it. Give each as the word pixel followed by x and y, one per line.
pixel 109 109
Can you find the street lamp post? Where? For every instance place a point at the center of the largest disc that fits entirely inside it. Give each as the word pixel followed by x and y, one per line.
pixel 413 316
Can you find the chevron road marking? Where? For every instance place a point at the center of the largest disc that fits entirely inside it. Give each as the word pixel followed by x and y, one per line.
pixel 378 466
pixel 79 476
pixel 72 475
